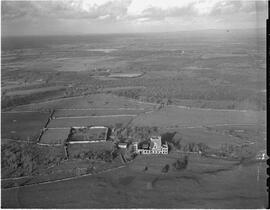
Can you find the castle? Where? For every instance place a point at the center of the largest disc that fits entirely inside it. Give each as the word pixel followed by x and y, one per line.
pixel 153 147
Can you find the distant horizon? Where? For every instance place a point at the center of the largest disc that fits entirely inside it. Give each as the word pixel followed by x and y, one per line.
pixel 83 17
pixel 134 33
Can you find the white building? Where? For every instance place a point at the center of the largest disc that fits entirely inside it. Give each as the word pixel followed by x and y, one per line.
pixel 154 147
pixel 261 155
pixel 122 145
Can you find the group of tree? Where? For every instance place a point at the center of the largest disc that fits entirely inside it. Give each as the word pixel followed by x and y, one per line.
pixel 181 164
pixel 11 101
pixel 135 132
pixel 26 158
pixel 106 155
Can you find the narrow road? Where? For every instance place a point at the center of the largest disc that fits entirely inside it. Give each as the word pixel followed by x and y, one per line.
pixel 191 108
pixel 100 116
pixel 62 180
pixel 102 109
pixel 212 125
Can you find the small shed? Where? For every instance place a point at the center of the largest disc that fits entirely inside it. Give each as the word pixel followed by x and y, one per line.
pixel 122 145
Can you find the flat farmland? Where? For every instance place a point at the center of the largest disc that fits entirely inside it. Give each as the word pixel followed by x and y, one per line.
pixel 74 149
pixel 54 136
pixel 200 135
pixel 154 163
pixel 89 121
pixel 96 112
pixel 85 102
pixel 88 134
pixel 34 90
pixel 23 126
pixel 183 117
pixel 214 184
pixel 253 134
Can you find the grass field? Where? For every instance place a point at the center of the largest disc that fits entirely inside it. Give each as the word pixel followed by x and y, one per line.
pixel 173 117
pixel 85 102
pixel 113 111
pixel 154 163
pixel 74 149
pixel 88 134
pixel 200 135
pixel 209 184
pixel 23 126
pixel 33 91
pixel 210 69
pixel 91 121
pixel 54 136
pixel 255 135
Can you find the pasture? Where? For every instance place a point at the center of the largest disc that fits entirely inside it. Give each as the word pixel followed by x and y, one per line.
pixel 96 112
pixel 88 134
pixel 126 188
pixel 154 163
pixel 34 90
pixel 183 117
pixel 22 126
pixel 77 149
pixel 105 101
pixel 89 121
pixel 201 135
pixel 54 136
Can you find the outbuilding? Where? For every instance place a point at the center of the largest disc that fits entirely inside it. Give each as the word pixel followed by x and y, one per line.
pixel 122 145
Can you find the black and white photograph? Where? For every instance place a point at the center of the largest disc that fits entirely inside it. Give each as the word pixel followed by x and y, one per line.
pixel 134 104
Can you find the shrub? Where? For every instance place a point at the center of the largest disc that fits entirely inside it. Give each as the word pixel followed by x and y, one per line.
pixel 181 164
pixel 165 169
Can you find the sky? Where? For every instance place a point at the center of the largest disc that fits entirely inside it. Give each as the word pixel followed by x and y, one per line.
pixel 56 17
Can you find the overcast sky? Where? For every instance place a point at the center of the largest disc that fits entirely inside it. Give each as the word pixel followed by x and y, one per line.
pixel 125 16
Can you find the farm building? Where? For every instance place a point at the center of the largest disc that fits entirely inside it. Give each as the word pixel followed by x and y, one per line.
pixel 91 134
pixel 154 146
pixel 261 155
pixel 122 145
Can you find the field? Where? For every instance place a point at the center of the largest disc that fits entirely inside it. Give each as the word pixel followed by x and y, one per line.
pixel 89 121
pixel 198 186
pixel 23 126
pixel 89 134
pixel 222 70
pixel 96 112
pixel 212 85
pixel 77 149
pixel 182 117
pixel 54 136
pixel 33 91
pixel 154 163
pixel 103 101
pixel 199 135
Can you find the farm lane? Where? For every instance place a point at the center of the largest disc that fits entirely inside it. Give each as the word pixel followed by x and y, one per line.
pixel 192 108
pixel 130 100
pixel 62 180
pixel 100 116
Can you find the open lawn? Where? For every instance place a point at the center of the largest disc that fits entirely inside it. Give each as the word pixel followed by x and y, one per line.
pixel 85 102
pixel 54 136
pixel 97 112
pixel 89 121
pixel 201 135
pixel 23 126
pixel 34 90
pixel 74 149
pixel 89 134
pixel 154 163
pixel 212 187
pixel 180 117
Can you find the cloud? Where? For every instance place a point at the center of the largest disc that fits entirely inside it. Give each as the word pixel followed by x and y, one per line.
pixel 64 9
pixel 129 9
pixel 171 13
